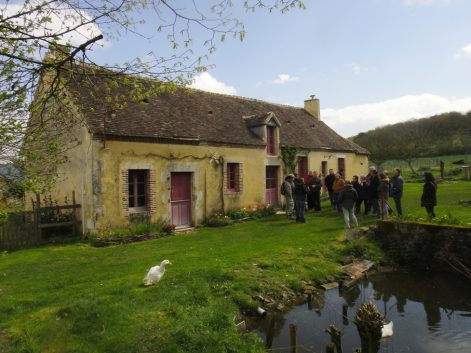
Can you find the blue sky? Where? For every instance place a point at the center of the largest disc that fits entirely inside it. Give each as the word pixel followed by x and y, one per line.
pixel 371 62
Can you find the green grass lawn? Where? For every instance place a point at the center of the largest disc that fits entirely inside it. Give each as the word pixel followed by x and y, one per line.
pixel 77 298
pixel 448 195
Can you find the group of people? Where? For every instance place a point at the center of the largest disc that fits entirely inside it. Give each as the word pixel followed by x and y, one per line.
pixel 347 196
pixel 297 190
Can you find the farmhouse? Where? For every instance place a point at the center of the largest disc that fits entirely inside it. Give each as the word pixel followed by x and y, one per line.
pixel 183 155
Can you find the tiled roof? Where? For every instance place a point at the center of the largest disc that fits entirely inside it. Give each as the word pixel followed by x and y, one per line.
pixel 194 115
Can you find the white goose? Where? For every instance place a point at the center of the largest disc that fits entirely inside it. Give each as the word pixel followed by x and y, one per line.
pixel 387 330
pixel 155 273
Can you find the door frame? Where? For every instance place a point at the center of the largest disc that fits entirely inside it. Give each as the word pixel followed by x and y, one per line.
pixel 277 179
pixel 191 181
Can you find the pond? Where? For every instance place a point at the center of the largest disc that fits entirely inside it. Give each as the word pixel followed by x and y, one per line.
pixel 431 314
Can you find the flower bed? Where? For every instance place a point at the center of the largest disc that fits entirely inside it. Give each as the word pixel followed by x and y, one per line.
pixel 134 233
pixel 239 215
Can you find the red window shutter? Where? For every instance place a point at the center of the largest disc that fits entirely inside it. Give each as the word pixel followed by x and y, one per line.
pixel 271 140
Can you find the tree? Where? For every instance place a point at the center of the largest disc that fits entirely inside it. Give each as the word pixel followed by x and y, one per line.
pixel 40 40
pixel 442 134
pixel 375 141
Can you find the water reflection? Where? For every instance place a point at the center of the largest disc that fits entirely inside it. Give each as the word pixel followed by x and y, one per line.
pixel 431 314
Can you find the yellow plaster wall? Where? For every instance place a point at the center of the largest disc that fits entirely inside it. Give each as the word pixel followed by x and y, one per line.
pixel 95 173
pixel 74 176
pixel 355 164
pixel 207 178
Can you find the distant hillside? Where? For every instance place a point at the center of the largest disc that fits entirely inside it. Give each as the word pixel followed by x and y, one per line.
pixel 444 134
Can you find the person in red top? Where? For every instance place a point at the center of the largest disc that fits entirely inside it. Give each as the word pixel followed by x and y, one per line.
pixel 339 184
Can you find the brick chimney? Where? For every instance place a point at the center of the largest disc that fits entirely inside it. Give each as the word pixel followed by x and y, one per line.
pixel 312 106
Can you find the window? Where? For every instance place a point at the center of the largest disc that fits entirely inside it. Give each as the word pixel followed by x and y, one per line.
pixel 341 166
pixel 324 168
pixel 138 188
pixel 233 177
pixel 271 140
pixel 271 177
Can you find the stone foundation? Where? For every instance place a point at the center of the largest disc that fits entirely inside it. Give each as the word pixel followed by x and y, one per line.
pixel 426 246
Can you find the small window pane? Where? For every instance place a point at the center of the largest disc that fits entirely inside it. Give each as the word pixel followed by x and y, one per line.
pixel 137 187
pixel 141 189
pixel 141 201
pixel 232 176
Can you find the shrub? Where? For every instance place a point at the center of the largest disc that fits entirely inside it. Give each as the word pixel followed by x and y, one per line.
pixel 218 220
pixel 445 219
pixel 3 217
pixel 238 213
pixel 263 211
pixel 133 230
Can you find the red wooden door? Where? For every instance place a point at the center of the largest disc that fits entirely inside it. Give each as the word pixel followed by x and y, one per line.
pixel 271 185
pixel 181 199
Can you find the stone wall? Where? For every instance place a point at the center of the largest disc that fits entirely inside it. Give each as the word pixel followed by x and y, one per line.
pixel 426 246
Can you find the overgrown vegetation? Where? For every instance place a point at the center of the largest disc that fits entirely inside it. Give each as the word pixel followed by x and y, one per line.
pixel 218 220
pixel 238 213
pixel 288 156
pixel 123 234
pixel 252 212
pixel 444 134
pixel 445 219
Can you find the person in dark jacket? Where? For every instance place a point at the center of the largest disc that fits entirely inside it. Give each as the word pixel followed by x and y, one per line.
pixel 397 189
pixel 357 186
pixel 347 198
pixel 363 196
pixel 429 195
pixel 329 183
pixel 299 193
pixel 373 185
pixel 310 195
pixel 314 185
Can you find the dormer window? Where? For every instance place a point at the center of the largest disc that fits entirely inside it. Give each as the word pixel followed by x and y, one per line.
pixel 266 127
pixel 271 140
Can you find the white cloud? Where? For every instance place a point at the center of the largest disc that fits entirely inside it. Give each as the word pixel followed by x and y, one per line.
pixel 206 82
pixel 281 79
pixel 61 18
pixel 359 69
pixel 465 52
pixel 353 119
pixel 284 78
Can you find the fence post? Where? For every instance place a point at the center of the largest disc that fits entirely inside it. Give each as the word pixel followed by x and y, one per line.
pixel 292 333
pixel 37 218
